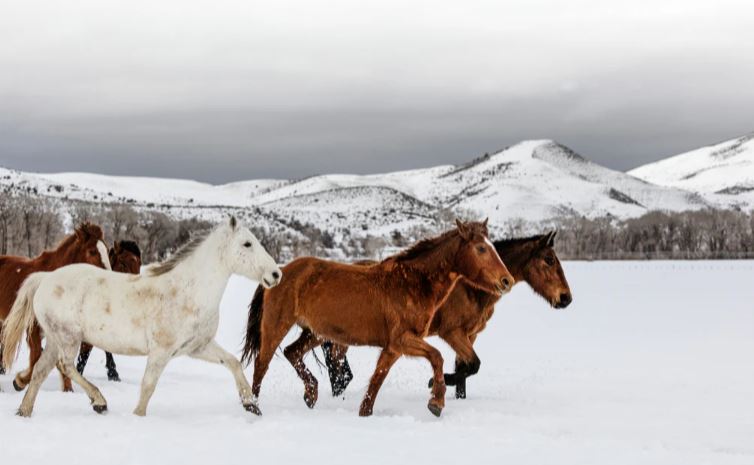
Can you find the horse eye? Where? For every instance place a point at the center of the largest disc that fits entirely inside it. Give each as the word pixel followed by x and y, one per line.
pixel 247 244
pixel 481 249
pixel 549 260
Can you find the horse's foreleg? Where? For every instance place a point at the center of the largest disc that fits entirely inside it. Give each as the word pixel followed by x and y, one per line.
pixel 213 353
pixel 295 354
pixel 45 364
pixel 467 362
pixel 34 338
pixel 112 372
pixel 414 346
pixel 337 367
pixel 386 360
pixel 156 363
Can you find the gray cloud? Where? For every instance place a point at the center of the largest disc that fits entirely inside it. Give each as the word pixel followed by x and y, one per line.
pixel 287 90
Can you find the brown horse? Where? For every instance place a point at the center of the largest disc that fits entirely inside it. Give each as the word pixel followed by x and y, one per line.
pixel 467 311
pixel 85 245
pixel 388 305
pixel 125 257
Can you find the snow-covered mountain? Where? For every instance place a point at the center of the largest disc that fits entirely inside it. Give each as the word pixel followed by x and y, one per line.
pixel 533 181
pixel 726 169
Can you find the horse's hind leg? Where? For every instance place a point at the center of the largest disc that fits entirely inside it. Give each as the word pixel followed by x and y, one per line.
pixel 34 338
pixel 44 365
pixel 84 352
pixel 112 372
pixel 155 365
pixel 272 335
pixel 65 365
pixel 2 368
pixel 337 367
pixel 295 354
pixel 386 360
pixel 213 353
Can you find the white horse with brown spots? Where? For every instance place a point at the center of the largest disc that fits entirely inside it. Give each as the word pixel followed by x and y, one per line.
pixel 170 310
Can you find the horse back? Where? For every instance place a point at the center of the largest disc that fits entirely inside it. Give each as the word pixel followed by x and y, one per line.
pixel 342 302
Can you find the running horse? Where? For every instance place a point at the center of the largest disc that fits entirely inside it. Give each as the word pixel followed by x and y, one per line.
pixel 388 305
pixel 172 309
pixel 532 260
pixel 125 257
pixel 85 245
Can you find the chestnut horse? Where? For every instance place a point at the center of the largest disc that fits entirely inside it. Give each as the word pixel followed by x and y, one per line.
pixel 388 305
pixel 125 257
pixel 85 245
pixel 468 310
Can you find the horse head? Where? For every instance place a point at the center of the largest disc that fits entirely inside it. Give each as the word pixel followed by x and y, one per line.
pixel 245 255
pixel 89 246
pixel 125 257
pixel 478 261
pixel 543 272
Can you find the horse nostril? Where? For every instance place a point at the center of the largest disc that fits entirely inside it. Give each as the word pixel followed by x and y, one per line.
pixel 506 283
pixel 565 299
pixel 276 274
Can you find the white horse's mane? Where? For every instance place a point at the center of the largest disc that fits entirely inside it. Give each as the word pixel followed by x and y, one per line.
pixel 180 255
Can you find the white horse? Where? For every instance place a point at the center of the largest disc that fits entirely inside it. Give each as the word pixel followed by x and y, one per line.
pixel 170 310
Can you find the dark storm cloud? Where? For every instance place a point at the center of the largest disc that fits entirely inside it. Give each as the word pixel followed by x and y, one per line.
pixel 264 91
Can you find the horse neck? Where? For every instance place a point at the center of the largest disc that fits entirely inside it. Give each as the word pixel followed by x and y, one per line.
pixel 64 254
pixel 205 273
pixel 435 267
pixel 516 256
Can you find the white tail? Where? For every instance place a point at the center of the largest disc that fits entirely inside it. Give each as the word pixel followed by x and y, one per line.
pixel 20 319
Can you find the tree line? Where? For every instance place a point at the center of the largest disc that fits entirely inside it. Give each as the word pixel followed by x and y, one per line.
pixel 29 225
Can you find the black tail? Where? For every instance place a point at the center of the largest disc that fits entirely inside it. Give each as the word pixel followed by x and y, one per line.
pixel 253 327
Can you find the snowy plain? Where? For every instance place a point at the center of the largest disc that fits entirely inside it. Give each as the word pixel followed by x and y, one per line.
pixel 651 364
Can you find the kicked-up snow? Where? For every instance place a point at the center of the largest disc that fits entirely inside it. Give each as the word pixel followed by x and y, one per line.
pixel 651 364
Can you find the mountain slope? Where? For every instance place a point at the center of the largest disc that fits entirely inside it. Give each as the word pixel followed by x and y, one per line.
pixel 534 181
pixel 726 168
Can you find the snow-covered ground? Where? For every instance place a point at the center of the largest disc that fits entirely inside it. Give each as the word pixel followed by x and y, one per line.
pixel 652 363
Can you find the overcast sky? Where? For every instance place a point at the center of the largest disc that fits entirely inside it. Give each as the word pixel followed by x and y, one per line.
pixel 223 91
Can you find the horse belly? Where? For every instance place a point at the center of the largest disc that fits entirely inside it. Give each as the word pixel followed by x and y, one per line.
pixel 350 321
pixel 119 332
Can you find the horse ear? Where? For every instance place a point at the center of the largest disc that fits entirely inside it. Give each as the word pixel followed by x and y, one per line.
pixel 484 223
pixel 233 222
pixel 463 229
pixel 81 233
pixel 548 240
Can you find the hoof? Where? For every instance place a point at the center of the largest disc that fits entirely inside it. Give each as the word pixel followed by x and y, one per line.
pixel 114 378
pixel 17 387
pixel 67 389
pixel 100 408
pixel 2 370
pixel 310 399
pixel 253 409
pixel 435 409
pixel 460 394
pixel 23 413
pixel 365 413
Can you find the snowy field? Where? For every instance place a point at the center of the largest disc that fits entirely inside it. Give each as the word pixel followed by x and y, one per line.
pixel 652 363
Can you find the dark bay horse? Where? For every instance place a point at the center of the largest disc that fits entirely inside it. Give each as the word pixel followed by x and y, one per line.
pixel 85 245
pixel 389 305
pixel 125 257
pixel 467 311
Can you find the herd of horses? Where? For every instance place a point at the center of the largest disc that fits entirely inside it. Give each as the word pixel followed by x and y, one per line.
pixel 83 295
